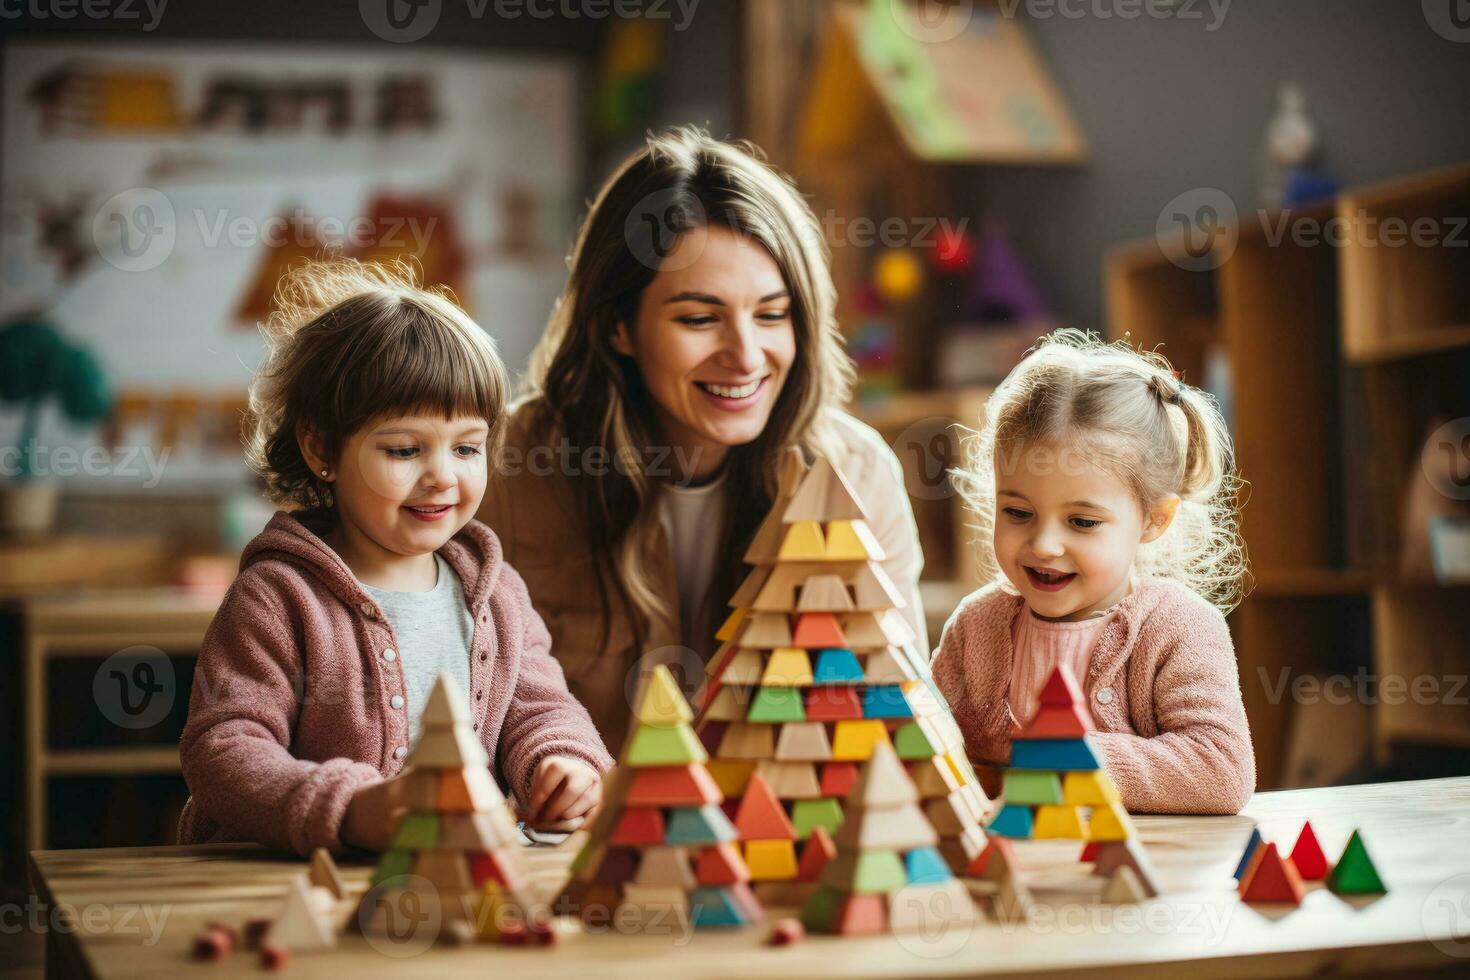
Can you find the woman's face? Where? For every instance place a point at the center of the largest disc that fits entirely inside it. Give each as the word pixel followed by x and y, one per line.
pixel 714 342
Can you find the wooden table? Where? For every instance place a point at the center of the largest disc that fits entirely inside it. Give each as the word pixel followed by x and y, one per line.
pixel 132 912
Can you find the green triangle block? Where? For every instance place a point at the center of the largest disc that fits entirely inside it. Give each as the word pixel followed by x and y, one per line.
pixel 1354 873
pixel 818 911
pixel 391 865
pixel 655 746
pixel 1032 787
pixel 775 704
pixel 911 743
pixel 808 815
pixel 418 831
pixel 879 872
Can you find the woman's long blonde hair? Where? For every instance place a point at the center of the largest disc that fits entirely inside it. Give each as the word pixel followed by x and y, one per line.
pixel 1125 409
pixel 590 395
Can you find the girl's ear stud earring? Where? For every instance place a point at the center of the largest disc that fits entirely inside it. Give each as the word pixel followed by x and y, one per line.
pixel 324 474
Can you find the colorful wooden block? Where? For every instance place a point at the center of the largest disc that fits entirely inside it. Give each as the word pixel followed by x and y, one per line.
pixel 1062 754
pixel 804 741
pixel 911 741
pixel 837 666
pixel 776 704
pixel 654 746
pixel 853 541
pixel 818 629
pixel 885 701
pixel 1110 822
pixel 1059 823
pixel 833 704
pixel 1307 855
pixel 1354 873
pixel 815 854
pixel 1271 878
pixel 661 704
pixel 1011 821
pixel 854 741
pixel 787 667
pixel 803 542
pixel 760 815
pixel 771 860
pixel 1089 789
pixel 672 786
pixel 639 825
pixel 1059 721
pixel 838 778
pixel 809 815
pixel 1061 689
pixel 1029 786
pixel 698 825
pixel 721 864
pixel 1250 852
pixel 923 865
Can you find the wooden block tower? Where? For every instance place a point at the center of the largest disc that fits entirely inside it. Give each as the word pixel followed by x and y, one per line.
pixel 1056 787
pixel 661 852
pixel 887 875
pixel 818 668
pixel 457 847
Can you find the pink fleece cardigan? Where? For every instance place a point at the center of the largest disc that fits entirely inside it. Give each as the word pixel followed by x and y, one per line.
pixel 291 706
pixel 1163 689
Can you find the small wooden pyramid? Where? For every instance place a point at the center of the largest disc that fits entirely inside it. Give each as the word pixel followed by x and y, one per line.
pixel 887 875
pixel 305 920
pixel 818 668
pixel 1271 878
pixel 661 851
pixel 457 846
pixel 1354 873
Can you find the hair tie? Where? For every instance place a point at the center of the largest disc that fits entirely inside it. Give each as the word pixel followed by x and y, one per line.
pixel 1170 394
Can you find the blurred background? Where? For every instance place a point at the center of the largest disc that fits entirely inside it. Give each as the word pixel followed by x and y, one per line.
pixel 1276 194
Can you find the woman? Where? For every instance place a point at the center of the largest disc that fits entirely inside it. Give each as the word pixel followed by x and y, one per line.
pixel 694 342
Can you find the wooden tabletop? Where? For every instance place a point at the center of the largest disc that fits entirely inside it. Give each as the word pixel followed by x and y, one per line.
pixel 132 912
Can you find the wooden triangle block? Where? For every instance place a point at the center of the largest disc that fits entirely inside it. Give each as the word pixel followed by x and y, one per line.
pixel 747 741
pixel 324 873
pixel 864 630
pixel 838 778
pixel 650 745
pixel 1249 853
pixel 745 596
pixel 454 747
pixel 662 703
pixel 853 541
pixel 672 786
pixel 874 590
pixel 730 703
pixel 1061 689
pixel 301 923
pixel 1124 888
pixel 900 828
pixel 1271 878
pixel 803 542
pixel 804 741
pixel 818 851
pixel 790 780
pixel 884 667
pixel 766 630
pixel 823 495
pixel 1013 901
pixel 467 790
pixel 817 630
pixel 779 592
pixel 761 816
pixel 1354 873
pixel 666 866
pixel 883 781
pixel 1307 855
pixel 721 864
pixel 995 863
pixel 1059 721
pixel 824 593
pixel 447 704
pixel 745 667
pixel 1113 855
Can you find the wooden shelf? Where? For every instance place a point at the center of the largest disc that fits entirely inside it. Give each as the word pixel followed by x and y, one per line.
pixel 1312 582
pixel 1412 343
pixel 119 761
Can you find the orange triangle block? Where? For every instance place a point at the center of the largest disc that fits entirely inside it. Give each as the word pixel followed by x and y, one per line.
pixel 655 786
pixel 817 630
pixel 1061 689
pixel 814 857
pixel 1059 721
pixel 761 816
pixel 721 864
pixel 1271 878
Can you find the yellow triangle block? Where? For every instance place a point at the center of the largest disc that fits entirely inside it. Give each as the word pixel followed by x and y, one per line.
pixel 730 775
pixel 1064 822
pixel 1111 822
pixel 663 704
pixel 726 632
pixel 1093 788
pixel 852 541
pixel 788 667
pixel 854 741
pixel 803 542
pixel 771 860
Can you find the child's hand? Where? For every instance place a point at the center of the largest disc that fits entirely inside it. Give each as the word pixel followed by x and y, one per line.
pixel 564 793
pixel 373 813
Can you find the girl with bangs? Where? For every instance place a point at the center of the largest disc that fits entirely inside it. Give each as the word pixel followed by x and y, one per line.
pixel 371 421
pixel 695 343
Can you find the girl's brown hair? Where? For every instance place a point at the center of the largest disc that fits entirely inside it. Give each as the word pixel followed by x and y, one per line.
pixel 591 395
pixel 353 341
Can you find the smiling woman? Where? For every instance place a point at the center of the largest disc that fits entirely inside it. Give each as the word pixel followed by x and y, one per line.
pixel 695 342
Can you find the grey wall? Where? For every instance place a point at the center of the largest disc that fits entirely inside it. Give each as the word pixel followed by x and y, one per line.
pixel 1168 106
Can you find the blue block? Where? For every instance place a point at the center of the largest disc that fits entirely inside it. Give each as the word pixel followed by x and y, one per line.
pixel 1071 754
pixel 1250 848
pixel 1011 821
pixel 924 866
pixel 886 701
pixel 714 907
pixel 698 825
pixel 837 666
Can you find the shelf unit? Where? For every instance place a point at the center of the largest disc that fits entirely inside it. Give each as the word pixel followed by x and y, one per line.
pixel 1340 356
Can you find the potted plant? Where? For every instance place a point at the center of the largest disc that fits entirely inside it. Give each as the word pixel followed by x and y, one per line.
pixel 38 364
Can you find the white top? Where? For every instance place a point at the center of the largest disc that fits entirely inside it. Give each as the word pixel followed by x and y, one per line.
pixel 692 518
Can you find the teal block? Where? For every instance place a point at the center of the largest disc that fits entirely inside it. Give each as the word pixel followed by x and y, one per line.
pixel 837 666
pixel 886 701
pixel 924 866
pixel 1011 821
pixel 698 825
pixel 1065 754
pixel 714 907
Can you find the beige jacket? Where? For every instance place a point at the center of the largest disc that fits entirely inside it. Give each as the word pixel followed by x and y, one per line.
pixel 530 506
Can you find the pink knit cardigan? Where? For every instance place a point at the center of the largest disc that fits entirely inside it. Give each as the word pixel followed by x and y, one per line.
pixel 1163 689
pixel 291 707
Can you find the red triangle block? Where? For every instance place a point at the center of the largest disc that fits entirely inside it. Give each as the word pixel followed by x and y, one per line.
pixel 1059 721
pixel 1090 849
pixel 1307 855
pixel 721 865
pixel 1271 878
pixel 814 857
pixel 484 866
pixel 1061 689
pixel 761 816
pixel 838 778
pixel 817 630
pixel 997 848
pixel 833 704
pixel 639 826
pixel 672 786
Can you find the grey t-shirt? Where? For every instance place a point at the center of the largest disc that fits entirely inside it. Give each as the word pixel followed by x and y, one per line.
pixel 434 630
